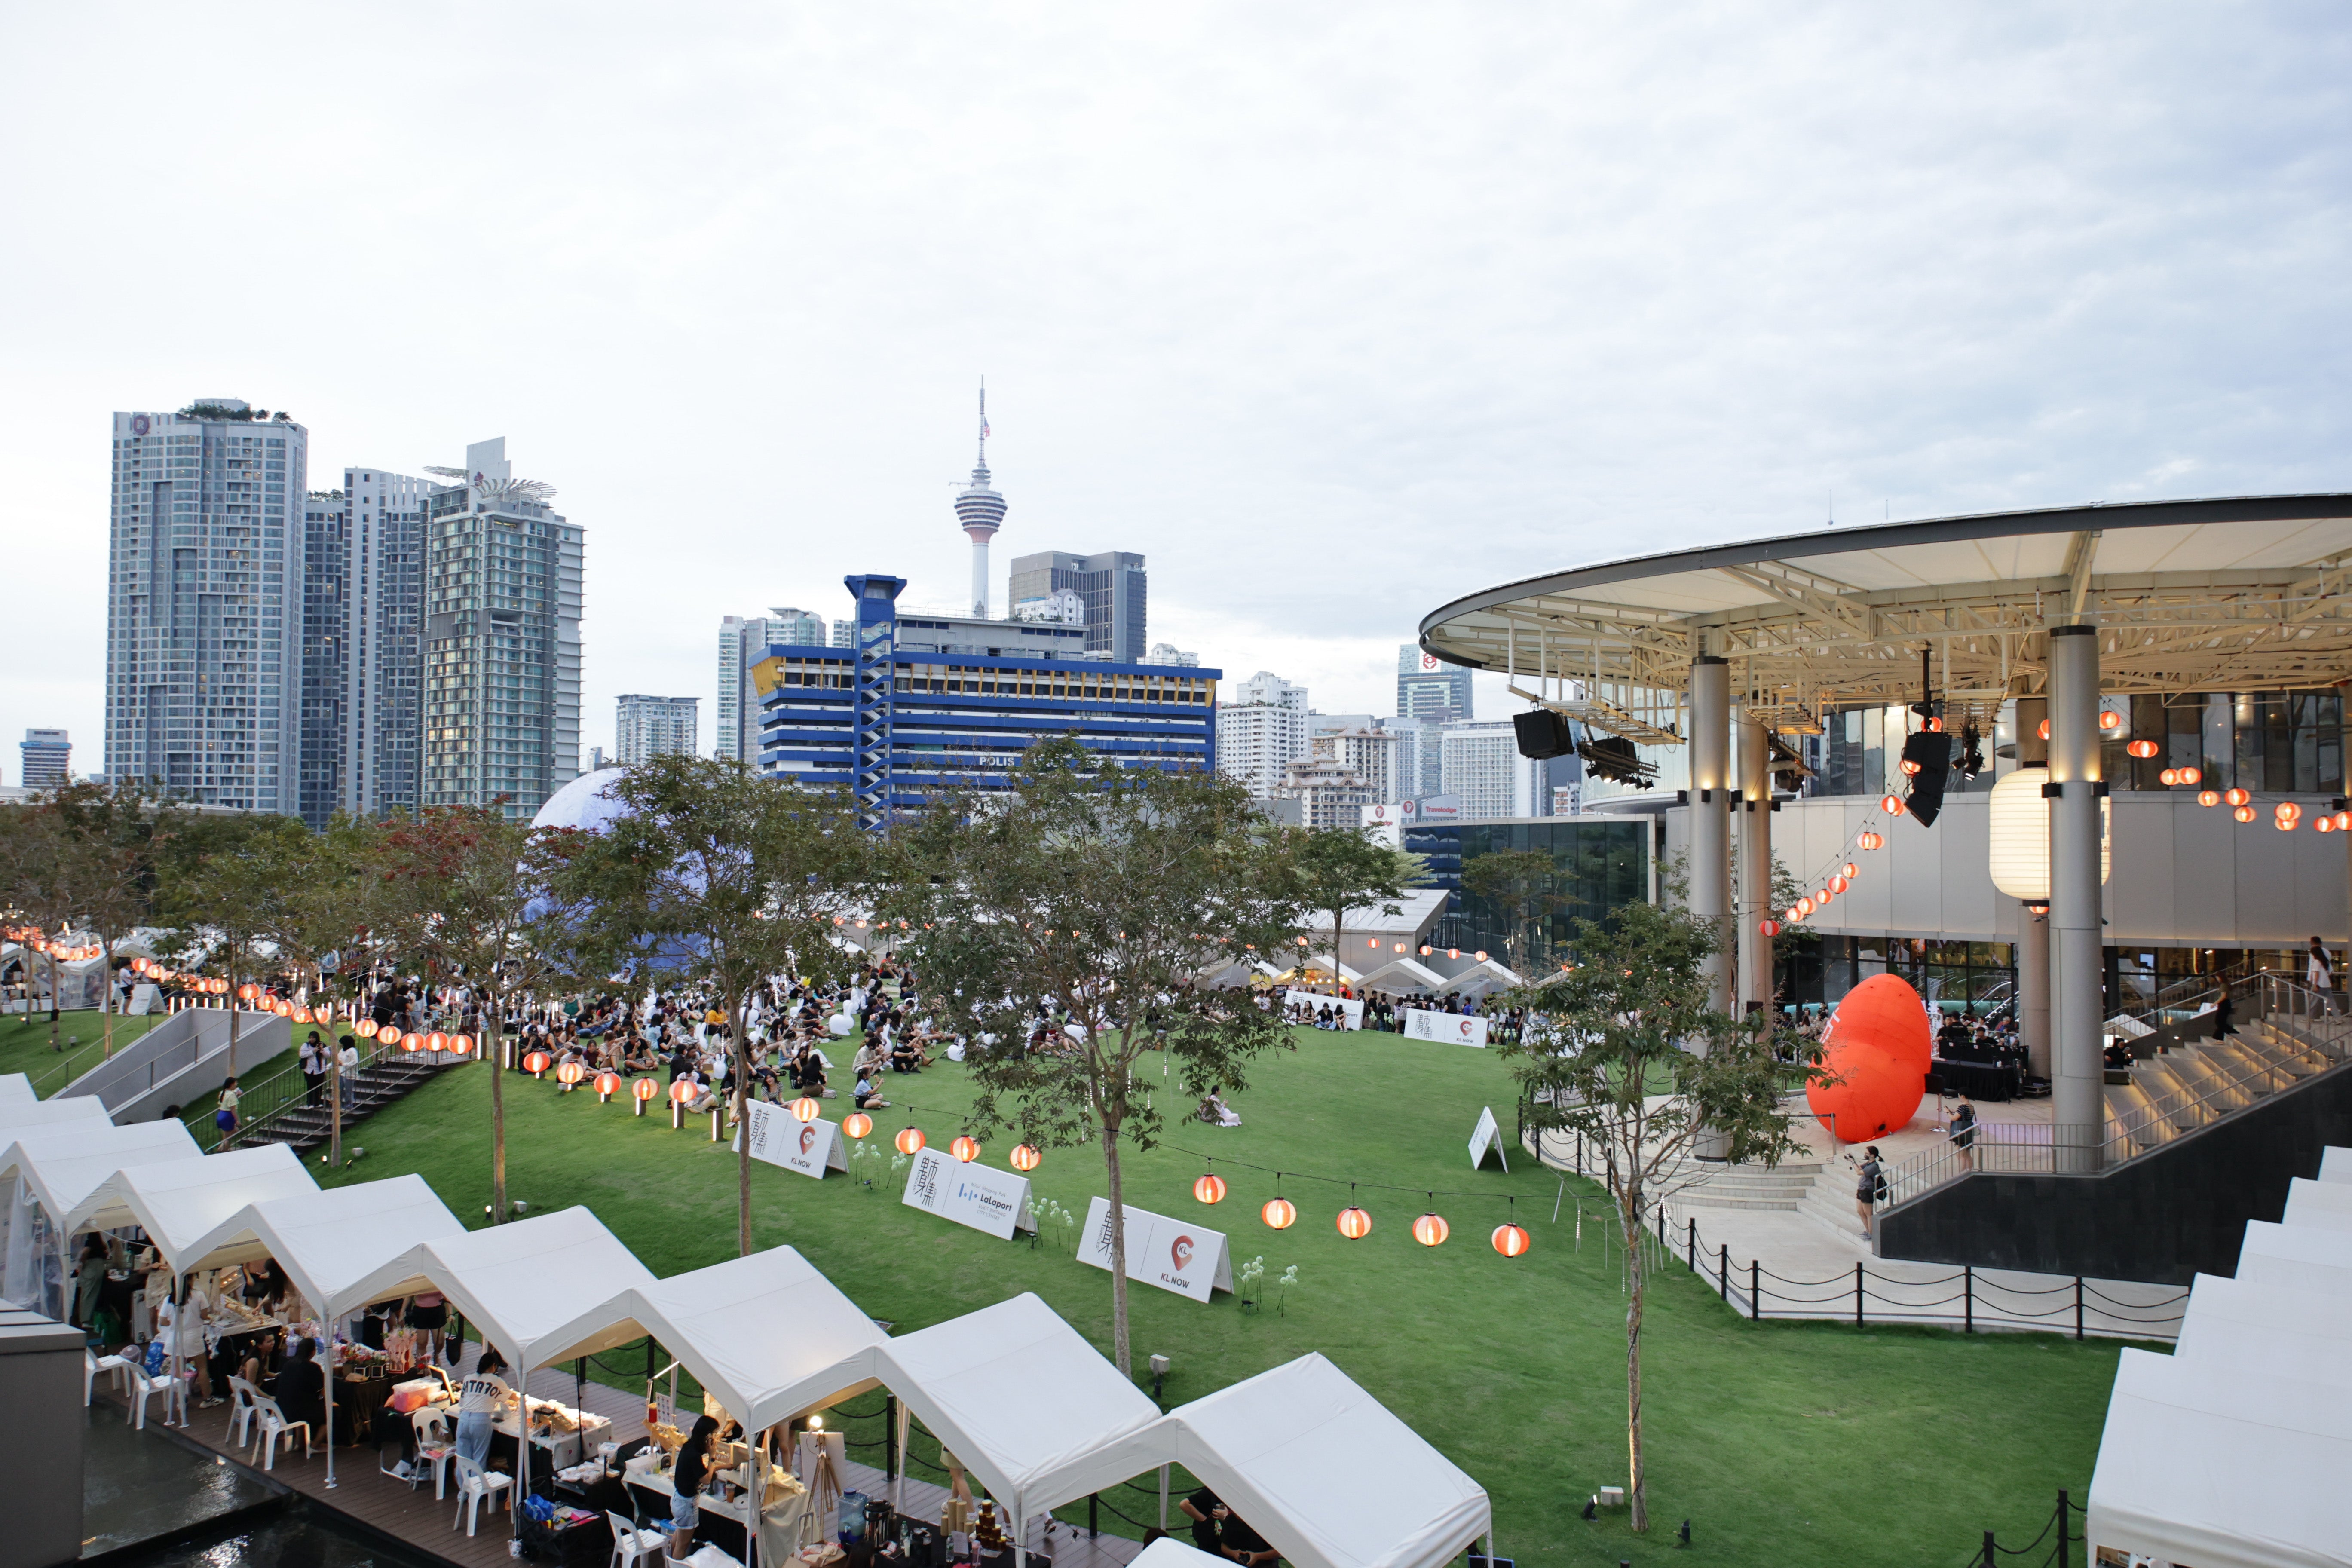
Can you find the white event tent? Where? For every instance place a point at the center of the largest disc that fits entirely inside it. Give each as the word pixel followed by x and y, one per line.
pixel 1323 1470
pixel 181 1202
pixel 81 1109
pixel 1168 1551
pixel 2229 1453
pixel 15 1089
pixel 1020 1398
pixel 47 1172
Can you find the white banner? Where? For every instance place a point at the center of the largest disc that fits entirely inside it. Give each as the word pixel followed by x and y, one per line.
pixel 780 1139
pixel 1485 1136
pixel 1185 1258
pixel 1303 1006
pixel 978 1195
pixel 1453 1028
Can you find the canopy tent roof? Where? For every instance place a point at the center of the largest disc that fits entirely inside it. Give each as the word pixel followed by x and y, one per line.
pixel 1019 1397
pixel 1417 910
pixel 768 1336
pixel 2221 1307
pixel 65 1163
pixel 1319 1468
pixel 81 1109
pixel 1168 1551
pixel 15 1089
pixel 2335 1165
pixel 1485 975
pixel 182 1203
pixel 329 1241
pixel 2245 592
pixel 1403 975
pixel 521 1284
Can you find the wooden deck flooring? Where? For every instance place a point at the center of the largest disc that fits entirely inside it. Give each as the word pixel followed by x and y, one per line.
pixel 383 1503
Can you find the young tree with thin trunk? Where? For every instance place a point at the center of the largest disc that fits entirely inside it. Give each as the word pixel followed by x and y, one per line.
pixel 478 896
pixel 713 874
pixel 1622 1048
pixel 1344 869
pixel 37 889
pixel 1112 896
pixel 1520 884
pixel 219 901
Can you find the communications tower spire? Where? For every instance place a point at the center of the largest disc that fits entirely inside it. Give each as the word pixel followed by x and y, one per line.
pixel 981 510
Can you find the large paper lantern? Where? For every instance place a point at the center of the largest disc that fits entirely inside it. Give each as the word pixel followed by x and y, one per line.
pixel 1510 1241
pixel 805 1109
pixel 1354 1223
pixel 1025 1158
pixel 1878 1047
pixel 364 1029
pixel 436 1041
pixel 1210 1189
pixel 608 1084
pixel 683 1091
pixel 535 1063
pixel 965 1148
pixel 1431 1230
pixel 858 1124
pixel 570 1073
pixel 1279 1213
pixel 460 1044
pixel 910 1140
pixel 2020 827
pixel 645 1089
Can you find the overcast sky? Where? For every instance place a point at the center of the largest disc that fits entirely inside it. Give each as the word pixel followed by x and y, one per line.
pixel 1332 311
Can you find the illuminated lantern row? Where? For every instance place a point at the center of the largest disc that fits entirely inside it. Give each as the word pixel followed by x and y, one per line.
pixel 966 1149
pixel 2181 776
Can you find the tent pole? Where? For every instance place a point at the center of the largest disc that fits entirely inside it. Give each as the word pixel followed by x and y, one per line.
pixel 522 1451
pixel 178 1306
pixel 1163 1496
pixel 329 1326
pixel 898 1482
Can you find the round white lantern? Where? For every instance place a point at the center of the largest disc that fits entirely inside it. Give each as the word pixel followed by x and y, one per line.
pixel 2020 836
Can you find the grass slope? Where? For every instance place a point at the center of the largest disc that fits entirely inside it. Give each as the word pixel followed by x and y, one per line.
pixel 1783 1443
pixel 25 1044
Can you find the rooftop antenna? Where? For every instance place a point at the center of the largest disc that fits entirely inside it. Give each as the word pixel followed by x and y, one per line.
pixel 1833 506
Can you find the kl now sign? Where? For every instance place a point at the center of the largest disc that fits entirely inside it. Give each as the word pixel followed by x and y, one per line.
pixel 1160 1252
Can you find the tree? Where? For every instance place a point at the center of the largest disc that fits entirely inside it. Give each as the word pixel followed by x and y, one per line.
pixel 312 907
pixel 36 885
pixel 113 832
pixel 1342 869
pixel 715 874
pixel 1111 896
pixel 1521 885
pixel 227 898
pixel 1603 1037
pixel 478 896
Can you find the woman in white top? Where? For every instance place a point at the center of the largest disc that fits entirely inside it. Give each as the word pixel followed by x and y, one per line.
pixel 481 1398
pixel 181 1326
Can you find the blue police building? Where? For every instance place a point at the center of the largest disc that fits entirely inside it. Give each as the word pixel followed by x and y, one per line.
pixel 921 704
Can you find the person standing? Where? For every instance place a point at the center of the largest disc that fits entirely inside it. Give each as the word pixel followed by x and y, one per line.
pixel 693 1469
pixel 314 1070
pixel 1963 1130
pixel 1866 1190
pixel 481 1399
pixel 225 1116
pixel 2319 973
pixel 347 1068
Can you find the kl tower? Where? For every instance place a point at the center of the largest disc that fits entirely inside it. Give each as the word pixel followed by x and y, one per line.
pixel 981 510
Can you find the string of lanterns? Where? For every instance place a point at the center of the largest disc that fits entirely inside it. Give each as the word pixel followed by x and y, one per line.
pixel 1355 1222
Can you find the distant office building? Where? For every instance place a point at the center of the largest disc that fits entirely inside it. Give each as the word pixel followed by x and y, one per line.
pixel 1420 758
pixel 1372 755
pixel 649 727
pixel 1485 771
pixel 1329 792
pixel 48 759
pixel 597 761
pixel 844 634
pixel 926 703
pixel 743 642
pixel 1168 653
pixel 1111 586
pixel 502 639
pixel 362 644
pixel 1429 687
pixel 203 604
pixel 1262 730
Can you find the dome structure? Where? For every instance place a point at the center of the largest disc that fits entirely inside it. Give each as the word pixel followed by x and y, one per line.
pixel 582 803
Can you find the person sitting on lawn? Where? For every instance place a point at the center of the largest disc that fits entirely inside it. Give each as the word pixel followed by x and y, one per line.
pixel 867 1097
pixel 1217 1113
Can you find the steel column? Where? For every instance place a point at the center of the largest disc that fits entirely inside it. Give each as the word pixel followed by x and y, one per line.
pixel 1754 905
pixel 2034 985
pixel 1709 872
pixel 2076 918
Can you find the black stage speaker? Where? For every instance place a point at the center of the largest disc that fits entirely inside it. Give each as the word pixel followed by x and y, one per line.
pixel 1932 751
pixel 1542 733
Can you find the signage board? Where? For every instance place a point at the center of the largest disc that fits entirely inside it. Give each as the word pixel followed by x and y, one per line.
pixel 1488 1135
pixel 812 1148
pixel 1392 813
pixel 1452 1029
pixel 1303 1006
pixel 1185 1258
pixel 981 1196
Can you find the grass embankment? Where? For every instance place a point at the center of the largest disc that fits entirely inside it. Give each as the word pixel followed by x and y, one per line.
pixel 1782 1443
pixel 25 1043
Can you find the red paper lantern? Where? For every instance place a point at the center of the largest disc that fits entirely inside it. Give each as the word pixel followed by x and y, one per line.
pixel 364 1029
pixel 2287 813
pixel 2237 796
pixel 1804 907
pixel 1279 1213
pixel 2169 777
pixel 645 1089
pixel 910 1140
pixel 1025 1158
pixel 683 1091
pixel 1210 1189
pixel 1768 928
pixel 1892 805
pixel 535 1063
pixel 2142 748
pixel 608 1084
pixel 410 1042
pixel 2208 797
pixel 2188 775
pixel 1837 884
pixel 2108 720
pixel 2244 814
pixel 1852 870
pixel 436 1041
pixel 1354 1223
pixel 246 992
pixel 460 1044
pixel 2044 730
pixel 805 1109
pixel 2323 823
pixel 1431 1230
pixel 1871 840
pixel 965 1148
pixel 1510 1241
pixel 570 1073
pixel 858 1124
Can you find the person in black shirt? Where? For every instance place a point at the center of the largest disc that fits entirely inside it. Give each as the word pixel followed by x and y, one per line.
pixel 1206 1513
pixel 1237 1541
pixel 302 1388
pixel 693 1469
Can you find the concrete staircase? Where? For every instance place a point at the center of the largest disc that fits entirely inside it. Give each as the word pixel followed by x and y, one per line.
pixel 2184 1087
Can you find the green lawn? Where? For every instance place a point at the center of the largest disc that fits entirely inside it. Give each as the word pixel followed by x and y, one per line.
pixel 25 1044
pixel 1782 1443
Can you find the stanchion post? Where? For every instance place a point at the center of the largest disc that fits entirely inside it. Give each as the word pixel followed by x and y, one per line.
pixel 1755 1297
pixel 718 1124
pixel 1857 1295
pixel 1722 1269
pixel 1988 1561
pixel 1163 1496
pixel 890 1437
pixel 1094 1523
pixel 2062 1554
pixel 1690 1242
pixel 677 1116
pixel 2078 1306
pixel 1969 1299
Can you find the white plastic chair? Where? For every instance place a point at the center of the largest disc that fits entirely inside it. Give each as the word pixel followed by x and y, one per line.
pixel 91 1365
pixel 632 1545
pixel 433 1448
pixel 242 1412
pixel 473 1484
pixel 143 1388
pixel 274 1426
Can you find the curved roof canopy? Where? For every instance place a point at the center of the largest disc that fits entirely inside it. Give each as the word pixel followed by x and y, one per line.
pixel 2238 595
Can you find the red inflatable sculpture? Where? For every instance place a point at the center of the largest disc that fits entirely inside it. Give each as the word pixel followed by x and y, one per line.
pixel 1878 1047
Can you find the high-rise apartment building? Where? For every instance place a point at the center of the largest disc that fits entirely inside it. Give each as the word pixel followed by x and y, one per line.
pixel 362 644
pixel 1329 792
pixel 743 642
pixel 1429 687
pixel 647 727
pixel 1111 585
pixel 48 757
pixel 1484 772
pixel 1421 756
pixel 1262 730
pixel 501 639
pixel 1372 755
pixel 203 603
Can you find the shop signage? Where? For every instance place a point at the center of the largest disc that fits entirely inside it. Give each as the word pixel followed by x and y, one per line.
pixel 1453 1028
pixel 978 1195
pixel 778 1137
pixel 1488 1136
pixel 1174 1256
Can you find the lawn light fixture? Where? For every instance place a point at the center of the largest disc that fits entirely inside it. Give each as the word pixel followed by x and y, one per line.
pixel 681 1092
pixel 570 1074
pixel 535 1064
pixel 608 1084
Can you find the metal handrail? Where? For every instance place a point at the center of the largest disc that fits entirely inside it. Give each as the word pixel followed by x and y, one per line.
pixel 288 1089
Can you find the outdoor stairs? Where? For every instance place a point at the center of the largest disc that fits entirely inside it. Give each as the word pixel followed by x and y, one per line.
pixel 2160 1102
pixel 304 1126
pixel 1703 1184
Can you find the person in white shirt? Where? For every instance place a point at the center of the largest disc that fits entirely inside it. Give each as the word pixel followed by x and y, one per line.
pixel 347 1064
pixel 481 1398
pixel 2319 973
